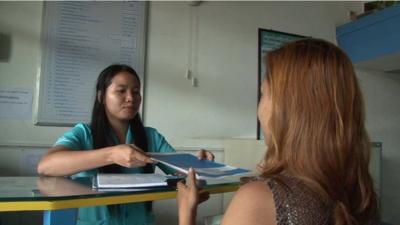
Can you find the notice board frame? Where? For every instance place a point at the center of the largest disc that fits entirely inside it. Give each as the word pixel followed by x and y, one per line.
pixel 269 40
pixel 108 24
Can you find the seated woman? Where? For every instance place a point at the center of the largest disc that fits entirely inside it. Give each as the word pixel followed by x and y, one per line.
pixel 114 142
pixel 316 168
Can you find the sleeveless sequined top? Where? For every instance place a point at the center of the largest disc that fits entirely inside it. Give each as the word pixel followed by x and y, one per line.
pixel 296 204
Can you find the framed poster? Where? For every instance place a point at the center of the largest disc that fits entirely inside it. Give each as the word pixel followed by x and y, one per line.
pixel 269 40
pixel 79 40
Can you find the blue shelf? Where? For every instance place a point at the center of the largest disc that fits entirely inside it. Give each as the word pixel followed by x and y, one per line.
pixel 371 37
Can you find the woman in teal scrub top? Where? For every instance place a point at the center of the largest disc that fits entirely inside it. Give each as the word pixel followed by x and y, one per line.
pixel 115 142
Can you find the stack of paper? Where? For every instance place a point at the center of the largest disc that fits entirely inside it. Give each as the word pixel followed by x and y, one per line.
pixel 205 169
pixel 137 180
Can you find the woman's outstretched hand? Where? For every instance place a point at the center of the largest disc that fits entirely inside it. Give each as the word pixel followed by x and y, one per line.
pixel 188 198
pixel 129 155
pixel 205 154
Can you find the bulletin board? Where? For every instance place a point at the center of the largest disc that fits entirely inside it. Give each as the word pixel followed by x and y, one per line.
pixel 78 40
pixel 269 40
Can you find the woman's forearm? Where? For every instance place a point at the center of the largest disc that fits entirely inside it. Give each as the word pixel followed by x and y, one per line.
pixel 187 217
pixel 62 162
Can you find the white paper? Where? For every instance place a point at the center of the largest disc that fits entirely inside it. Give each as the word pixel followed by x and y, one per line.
pixel 15 103
pixel 80 39
pixel 107 180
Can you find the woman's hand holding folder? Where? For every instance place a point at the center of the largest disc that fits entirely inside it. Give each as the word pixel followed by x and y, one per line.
pixel 188 198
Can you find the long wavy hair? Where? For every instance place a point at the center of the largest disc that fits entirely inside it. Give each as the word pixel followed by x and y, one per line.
pixel 317 128
pixel 100 125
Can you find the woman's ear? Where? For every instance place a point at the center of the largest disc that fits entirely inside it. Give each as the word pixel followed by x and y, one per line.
pixel 99 97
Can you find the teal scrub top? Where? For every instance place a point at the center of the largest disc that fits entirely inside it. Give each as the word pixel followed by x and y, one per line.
pixel 80 138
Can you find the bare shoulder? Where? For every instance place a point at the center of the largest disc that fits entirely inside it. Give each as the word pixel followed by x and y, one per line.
pixel 252 204
pixel 255 188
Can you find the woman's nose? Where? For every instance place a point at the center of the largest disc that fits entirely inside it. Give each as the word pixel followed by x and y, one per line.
pixel 129 97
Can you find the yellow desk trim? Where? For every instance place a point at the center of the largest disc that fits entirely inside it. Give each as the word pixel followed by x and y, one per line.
pixel 109 200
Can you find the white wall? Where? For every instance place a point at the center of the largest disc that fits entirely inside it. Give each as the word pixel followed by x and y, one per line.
pixel 218 42
pixel 381 92
pixel 22 20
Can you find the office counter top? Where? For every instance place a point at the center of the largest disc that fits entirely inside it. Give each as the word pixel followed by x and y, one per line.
pixel 54 193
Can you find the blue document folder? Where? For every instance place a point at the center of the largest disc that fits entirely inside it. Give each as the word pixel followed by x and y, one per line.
pixel 205 169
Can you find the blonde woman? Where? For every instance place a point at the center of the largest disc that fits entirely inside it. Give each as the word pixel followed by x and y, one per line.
pixel 316 168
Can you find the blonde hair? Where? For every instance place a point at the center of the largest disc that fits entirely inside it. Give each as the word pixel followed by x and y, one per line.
pixel 317 127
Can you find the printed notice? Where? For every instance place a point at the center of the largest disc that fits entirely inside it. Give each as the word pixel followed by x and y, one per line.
pixel 80 39
pixel 15 104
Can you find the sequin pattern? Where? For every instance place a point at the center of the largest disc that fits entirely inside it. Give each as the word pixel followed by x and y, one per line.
pixel 296 204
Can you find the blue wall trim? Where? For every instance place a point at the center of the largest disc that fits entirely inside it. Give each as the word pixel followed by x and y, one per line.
pixel 372 36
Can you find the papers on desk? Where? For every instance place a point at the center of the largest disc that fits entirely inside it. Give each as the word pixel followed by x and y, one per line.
pixel 205 169
pixel 137 180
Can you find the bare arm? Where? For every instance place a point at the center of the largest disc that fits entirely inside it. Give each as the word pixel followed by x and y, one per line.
pixel 253 204
pixel 61 161
pixel 59 186
pixel 188 198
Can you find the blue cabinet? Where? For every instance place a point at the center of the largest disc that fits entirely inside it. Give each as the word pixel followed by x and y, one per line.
pixel 373 40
